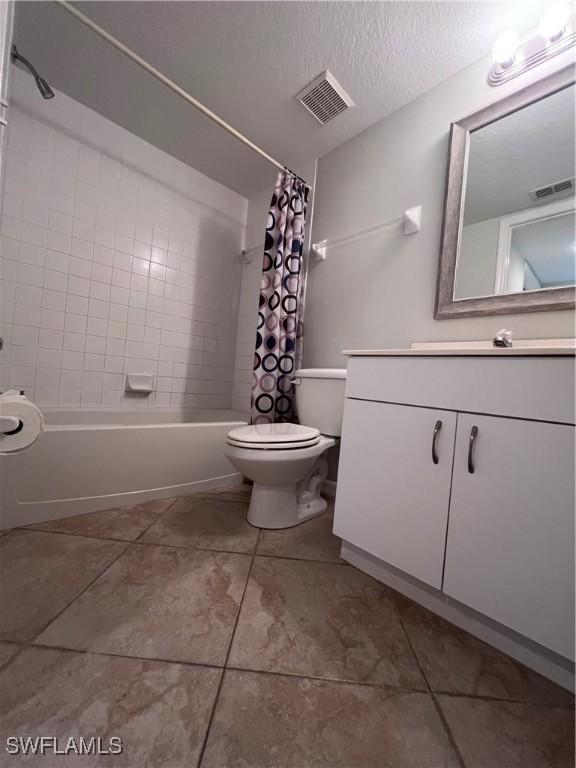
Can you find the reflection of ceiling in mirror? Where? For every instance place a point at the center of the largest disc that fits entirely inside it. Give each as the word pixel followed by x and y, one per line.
pixel 548 246
pixel 519 153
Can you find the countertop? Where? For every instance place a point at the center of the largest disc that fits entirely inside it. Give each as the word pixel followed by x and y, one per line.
pixel 462 351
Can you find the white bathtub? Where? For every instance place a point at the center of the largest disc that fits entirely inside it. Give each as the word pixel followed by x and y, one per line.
pixel 88 460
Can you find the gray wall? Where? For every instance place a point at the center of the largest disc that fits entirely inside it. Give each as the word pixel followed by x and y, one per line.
pixel 380 291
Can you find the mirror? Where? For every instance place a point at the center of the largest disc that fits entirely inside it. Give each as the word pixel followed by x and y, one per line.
pixel 509 235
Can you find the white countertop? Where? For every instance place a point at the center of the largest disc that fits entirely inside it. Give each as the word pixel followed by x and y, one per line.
pixel 518 352
pixel 520 348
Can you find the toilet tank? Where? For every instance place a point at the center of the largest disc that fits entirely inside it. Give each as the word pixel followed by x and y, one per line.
pixel 320 398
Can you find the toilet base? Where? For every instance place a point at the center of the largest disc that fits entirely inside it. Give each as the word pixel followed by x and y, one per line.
pixel 287 483
pixel 274 507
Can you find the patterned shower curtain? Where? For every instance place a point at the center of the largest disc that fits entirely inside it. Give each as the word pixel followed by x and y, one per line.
pixel 279 335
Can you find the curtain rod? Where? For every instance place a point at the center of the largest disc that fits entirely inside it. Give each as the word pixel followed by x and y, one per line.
pixel 170 84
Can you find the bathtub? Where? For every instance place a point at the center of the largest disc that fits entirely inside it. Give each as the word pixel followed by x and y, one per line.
pixel 87 460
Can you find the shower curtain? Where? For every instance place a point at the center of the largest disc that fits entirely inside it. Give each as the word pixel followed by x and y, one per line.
pixel 279 333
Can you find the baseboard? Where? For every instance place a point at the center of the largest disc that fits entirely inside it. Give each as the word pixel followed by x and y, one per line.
pixel 532 655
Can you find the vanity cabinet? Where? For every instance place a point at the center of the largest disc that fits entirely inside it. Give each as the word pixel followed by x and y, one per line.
pixel 460 474
pixel 510 546
pixel 398 493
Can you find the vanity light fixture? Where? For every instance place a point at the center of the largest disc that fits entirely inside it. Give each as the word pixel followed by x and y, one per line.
pixel 553 23
pixel 556 33
pixel 505 48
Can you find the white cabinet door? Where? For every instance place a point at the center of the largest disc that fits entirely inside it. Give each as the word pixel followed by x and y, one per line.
pixel 510 548
pixel 392 497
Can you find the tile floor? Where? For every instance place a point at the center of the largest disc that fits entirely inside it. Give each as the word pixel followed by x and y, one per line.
pixel 201 641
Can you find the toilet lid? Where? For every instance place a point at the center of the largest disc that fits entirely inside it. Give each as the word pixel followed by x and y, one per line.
pixel 273 434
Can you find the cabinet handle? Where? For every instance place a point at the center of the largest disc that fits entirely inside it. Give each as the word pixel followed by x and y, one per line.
pixel 437 428
pixel 473 434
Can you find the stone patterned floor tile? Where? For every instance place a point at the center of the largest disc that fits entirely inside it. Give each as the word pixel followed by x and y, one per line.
pixel 40 573
pixel 313 540
pixel 160 711
pixel 456 662
pixel 201 523
pixel 8 651
pixel 239 492
pixel 502 734
pixel 321 619
pixel 125 523
pixel 158 603
pixel 272 721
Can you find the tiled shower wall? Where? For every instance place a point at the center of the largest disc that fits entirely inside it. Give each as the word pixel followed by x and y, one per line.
pixel 116 258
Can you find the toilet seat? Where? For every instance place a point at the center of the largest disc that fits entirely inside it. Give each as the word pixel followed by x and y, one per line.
pixel 273 436
pixel 273 446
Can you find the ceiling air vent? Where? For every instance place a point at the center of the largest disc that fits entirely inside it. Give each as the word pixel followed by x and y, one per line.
pixel 325 98
pixel 552 189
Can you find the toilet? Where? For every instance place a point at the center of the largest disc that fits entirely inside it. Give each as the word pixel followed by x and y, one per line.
pixel 287 462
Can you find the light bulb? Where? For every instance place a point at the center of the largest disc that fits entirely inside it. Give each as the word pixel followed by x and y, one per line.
pixel 505 47
pixel 554 21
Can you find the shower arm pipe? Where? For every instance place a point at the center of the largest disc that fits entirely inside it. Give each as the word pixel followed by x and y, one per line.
pixel 129 53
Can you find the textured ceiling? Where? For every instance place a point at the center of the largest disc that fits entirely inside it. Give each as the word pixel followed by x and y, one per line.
pixel 247 60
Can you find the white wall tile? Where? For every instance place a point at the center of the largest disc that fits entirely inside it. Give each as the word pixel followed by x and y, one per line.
pixel 99 291
pixel 57 261
pixel 32 254
pixel 54 300
pixel 55 281
pixel 115 258
pixel 102 273
pixel 119 295
pixel 77 304
pixel 79 286
pixel 47 378
pixel 75 323
pixel 80 267
pixel 49 358
pixel 97 326
pixel 98 308
pixel 27 315
pixel 74 342
pixel 52 319
pixel 118 312
pixel 28 294
pixel 73 361
pixel 30 275
pixel 95 345
pixel 58 241
pixel 50 339
pixel 103 255
pixel 82 248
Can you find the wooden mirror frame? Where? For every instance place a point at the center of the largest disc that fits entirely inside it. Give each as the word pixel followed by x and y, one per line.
pixel 533 301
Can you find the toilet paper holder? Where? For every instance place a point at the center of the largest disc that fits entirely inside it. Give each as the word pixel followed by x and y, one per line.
pixel 10 425
pixel 21 422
